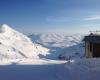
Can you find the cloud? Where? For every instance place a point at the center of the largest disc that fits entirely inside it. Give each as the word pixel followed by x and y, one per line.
pixel 65 19
pixel 93 18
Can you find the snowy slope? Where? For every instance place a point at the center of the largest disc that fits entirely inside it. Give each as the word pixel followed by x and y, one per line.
pixel 15 45
pixel 60 44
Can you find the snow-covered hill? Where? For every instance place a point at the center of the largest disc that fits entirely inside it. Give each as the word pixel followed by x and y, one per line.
pixel 61 45
pixel 15 45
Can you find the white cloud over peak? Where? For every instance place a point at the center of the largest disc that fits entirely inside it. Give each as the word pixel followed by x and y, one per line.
pixel 93 18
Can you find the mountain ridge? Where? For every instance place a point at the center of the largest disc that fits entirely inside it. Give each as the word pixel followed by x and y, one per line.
pixel 14 44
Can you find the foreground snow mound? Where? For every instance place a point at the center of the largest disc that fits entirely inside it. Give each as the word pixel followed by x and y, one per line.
pixel 61 45
pixel 15 45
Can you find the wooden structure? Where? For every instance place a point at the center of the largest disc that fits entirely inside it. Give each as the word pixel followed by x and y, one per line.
pixel 92 45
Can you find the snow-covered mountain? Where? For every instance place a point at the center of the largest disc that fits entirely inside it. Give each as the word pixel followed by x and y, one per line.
pixel 61 45
pixel 14 45
pixel 17 53
pixel 56 39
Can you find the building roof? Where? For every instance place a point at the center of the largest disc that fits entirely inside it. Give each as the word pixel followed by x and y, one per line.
pixel 92 38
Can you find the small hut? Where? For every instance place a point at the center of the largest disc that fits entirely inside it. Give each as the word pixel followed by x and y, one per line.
pixel 92 45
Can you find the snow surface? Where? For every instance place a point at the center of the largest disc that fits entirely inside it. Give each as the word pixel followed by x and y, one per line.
pixel 80 69
pixel 14 45
pixel 60 44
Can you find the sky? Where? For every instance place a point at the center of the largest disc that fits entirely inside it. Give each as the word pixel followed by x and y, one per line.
pixel 69 16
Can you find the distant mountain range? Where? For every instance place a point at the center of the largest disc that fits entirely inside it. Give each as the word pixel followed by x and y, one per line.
pixel 61 45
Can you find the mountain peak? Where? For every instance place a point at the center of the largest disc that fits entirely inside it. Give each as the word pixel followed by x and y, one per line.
pixel 4 25
pixel 14 45
pixel 4 28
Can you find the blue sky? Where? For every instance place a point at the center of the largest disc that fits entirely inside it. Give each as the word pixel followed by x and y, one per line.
pixel 70 16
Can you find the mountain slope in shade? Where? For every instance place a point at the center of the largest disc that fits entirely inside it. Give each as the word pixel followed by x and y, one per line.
pixel 15 45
